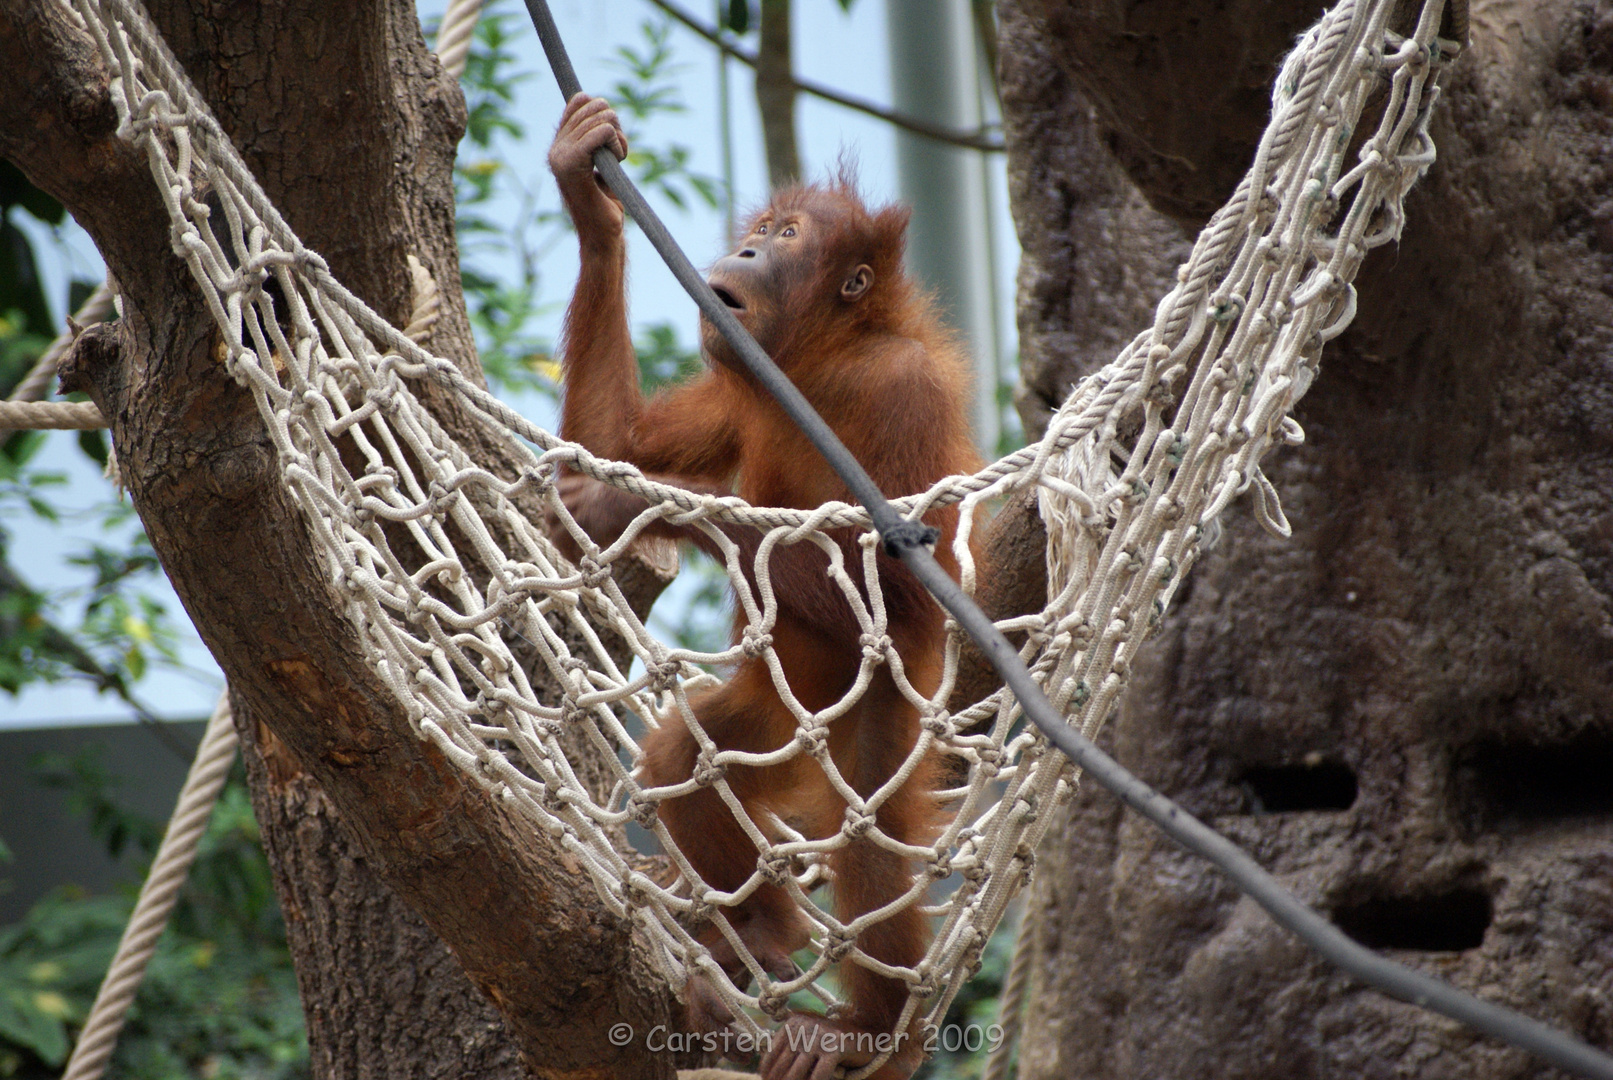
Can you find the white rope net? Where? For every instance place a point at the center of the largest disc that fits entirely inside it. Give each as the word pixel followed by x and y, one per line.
pixel 476 625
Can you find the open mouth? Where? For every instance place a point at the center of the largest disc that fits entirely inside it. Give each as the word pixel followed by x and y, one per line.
pixel 727 298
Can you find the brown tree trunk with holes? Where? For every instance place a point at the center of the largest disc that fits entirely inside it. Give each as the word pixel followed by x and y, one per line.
pixel 1406 710
pixel 435 935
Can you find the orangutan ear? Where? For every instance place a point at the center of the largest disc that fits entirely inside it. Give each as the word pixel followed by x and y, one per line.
pixel 856 286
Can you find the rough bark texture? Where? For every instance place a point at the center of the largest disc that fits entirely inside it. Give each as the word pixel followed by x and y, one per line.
pixel 351 126
pixel 1403 711
pixel 382 994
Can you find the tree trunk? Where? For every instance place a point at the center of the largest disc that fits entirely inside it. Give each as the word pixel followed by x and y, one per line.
pixel 350 125
pixel 775 95
pixel 1402 710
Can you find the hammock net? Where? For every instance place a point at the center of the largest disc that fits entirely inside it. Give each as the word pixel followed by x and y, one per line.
pixel 518 664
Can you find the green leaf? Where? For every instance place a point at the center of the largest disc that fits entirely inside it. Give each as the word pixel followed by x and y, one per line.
pixel 23 1023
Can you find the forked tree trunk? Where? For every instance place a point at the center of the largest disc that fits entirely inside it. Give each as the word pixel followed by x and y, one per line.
pixel 398 878
pixel 1403 711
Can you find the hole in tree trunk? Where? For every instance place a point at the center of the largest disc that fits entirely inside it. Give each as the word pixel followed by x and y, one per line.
pixel 1312 785
pixel 1519 784
pixel 1452 921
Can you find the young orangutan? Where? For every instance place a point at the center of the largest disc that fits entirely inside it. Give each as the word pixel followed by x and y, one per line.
pixel 818 281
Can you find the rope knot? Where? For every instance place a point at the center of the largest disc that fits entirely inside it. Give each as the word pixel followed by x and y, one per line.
pixel 594 573
pixel 754 643
pixel 643 810
pixel 490 707
pixel 837 946
pixel 384 397
pixel 858 824
pixel 707 772
pixel 940 725
pixel 664 676
pixel 634 894
pixel 541 480
pixel 1160 394
pixel 439 497
pixel 1228 309
pixel 874 646
pixel 1029 812
pixel 774 1004
pixel 777 869
pixel 812 740
pixel 908 534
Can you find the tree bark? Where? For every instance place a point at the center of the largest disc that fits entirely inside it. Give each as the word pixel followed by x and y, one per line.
pixel 350 125
pixel 1403 709
pixel 775 95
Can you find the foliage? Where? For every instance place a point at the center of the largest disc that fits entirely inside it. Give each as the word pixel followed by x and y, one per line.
pixel 108 630
pixel 508 307
pixel 503 312
pixel 647 90
pixel 219 998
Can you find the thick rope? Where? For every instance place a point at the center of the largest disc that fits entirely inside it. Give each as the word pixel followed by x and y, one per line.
pixel 455 34
pixel 1011 1006
pixel 168 872
pixel 98 307
pixel 50 416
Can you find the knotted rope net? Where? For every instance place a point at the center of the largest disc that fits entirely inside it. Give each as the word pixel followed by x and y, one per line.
pixel 496 646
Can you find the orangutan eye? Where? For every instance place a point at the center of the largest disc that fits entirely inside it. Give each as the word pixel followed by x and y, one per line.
pixel 789 231
pixel 761 230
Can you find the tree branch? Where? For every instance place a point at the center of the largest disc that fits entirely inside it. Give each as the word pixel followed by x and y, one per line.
pixel 352 132
pixel 775 95
pixel 972 140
